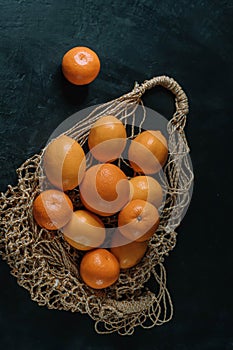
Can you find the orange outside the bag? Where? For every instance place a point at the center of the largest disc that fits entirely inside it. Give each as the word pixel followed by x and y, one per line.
pixel 80 65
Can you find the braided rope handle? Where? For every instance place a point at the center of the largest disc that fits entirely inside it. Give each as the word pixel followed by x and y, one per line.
pixel 181 100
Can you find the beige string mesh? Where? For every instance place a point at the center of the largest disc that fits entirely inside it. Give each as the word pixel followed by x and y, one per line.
pixel 47 266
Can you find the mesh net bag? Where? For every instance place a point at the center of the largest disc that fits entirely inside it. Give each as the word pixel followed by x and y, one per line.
pixel 47 266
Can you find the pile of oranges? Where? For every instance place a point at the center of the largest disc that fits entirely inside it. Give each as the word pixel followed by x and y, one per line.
pixel 105 190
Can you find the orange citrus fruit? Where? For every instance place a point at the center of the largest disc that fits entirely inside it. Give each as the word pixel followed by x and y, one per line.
pixel 99 268
pixel 129 254
pixel 146 188
pixel 52 209
pixel 138 220
pixel 80 65
pixel 76 245
pixel 148 152
pixel 84 231
pixel 104 189
pixel 107 139
pixel 64 163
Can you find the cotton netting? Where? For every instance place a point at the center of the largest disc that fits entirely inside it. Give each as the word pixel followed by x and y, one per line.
pixel 48 267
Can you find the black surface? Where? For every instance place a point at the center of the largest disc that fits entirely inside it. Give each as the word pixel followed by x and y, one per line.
pixel 189 40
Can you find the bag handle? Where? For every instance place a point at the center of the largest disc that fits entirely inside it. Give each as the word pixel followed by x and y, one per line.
pixel 181 100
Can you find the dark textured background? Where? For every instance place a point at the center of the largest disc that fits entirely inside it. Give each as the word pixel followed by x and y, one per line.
pixel 189 40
